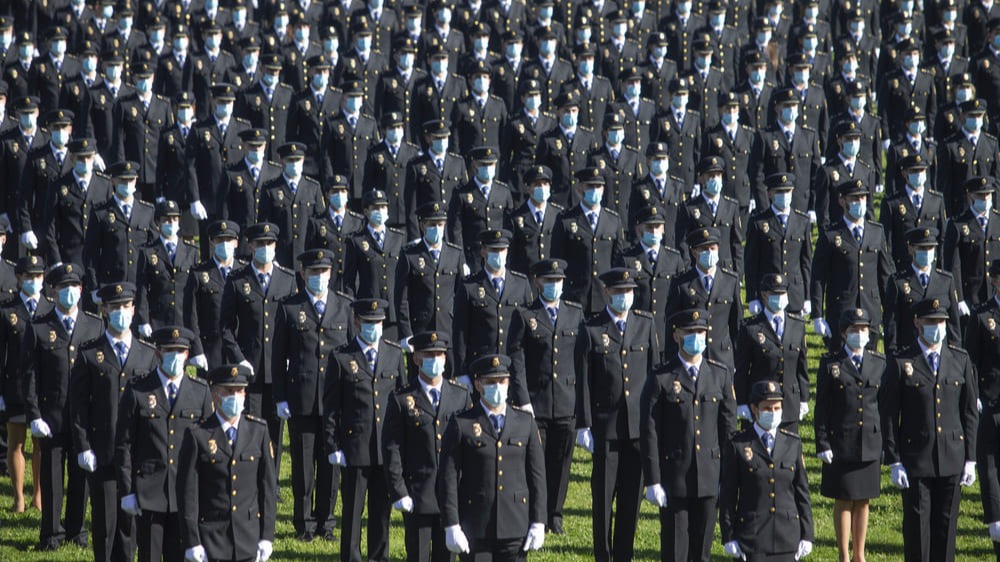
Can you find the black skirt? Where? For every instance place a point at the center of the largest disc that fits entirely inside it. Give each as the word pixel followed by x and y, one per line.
pixel 851 480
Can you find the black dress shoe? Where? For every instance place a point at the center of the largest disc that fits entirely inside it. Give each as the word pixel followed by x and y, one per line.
pixel 556 527
pixel 329 536
pixel 49 546
pixel 305 537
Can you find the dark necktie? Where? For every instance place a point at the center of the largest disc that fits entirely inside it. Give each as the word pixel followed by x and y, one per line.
pixel 225 271
pixel 789 136
pixel 651 254
pixel 352 121
pixel 379 237
pixel 783 219
pixel 127 210
pixel 264 279
pixel 934 358
pixel 768 441
pixel 983 221
pixel 693 373
pixel 231 435
pixel 439 162
pixel 553 313
pixel 539 217
pixel 293 187
pixel 372 357
pixel 498 285
pixel 320 307
pixel 924 278
pixel 856 359
pixel 59 157
pixel 777 326
pixel 436 254
pixel 122 350
pixel 709 281
pixel 222 130
pixel 435 398
pixel 620 324
pixel 917 201
pixel 850 169
pixel 255 173
pixel 592 219
pixel 68 323
pixel 32 305
pixel 172 393
pixel 498 421
pixel 171 250
pixel 973 140
pixel 857 233
pixel 338 221
pixel 713 206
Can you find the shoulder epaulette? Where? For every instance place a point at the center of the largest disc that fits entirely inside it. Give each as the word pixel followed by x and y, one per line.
pixel 283 268
pixel 92 315
pixel 391 343
pixel 789 433
pixel 517 274
pixel 254 419
pixel 643 313
pixel 572 304
pixel 142 203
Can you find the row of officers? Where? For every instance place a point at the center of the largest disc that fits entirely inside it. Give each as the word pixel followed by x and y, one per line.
pixel 164 456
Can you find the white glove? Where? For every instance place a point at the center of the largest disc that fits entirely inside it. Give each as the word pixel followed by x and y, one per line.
pixel 886 143
pixel 40 429
pixel 732 549
pixel 585 439
pixel 743 412
pixel 535 538
pixel 879 188
pixel 145 330
pixel 465 381
pixel 283 411
pixel 196 554
pixel 995 531
pixel 405 344
pixel 812 217
pixel 87 460
pixel 130 505
pixel 247 364
pixel 656 495
pixel 752 206
pixel 5 221
pixel 3 405
pixel 455 540
pixel 528 408
pixel 199 361
pixel 979 405
pixel 696 190
pixel 159 199
pixel 825 456
pixel 264 550
pixel 29 240
pixel 899 477
pixel 822 160
pixel 99 164
pixel 404 503
pixel 803 410
pixel 338 458
pixel 805 547
pixel 198 210
pixel 755 307
pixel 93 294
pixel 963 308
pixel 821 327
pixel 968 474
pixel 807 308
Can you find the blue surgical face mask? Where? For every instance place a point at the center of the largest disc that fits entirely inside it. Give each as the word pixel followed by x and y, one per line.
pixel 439 66
pixel 783 200
pixel 981 206
pixel 583 35
pixel 480 84
pixel 533 102
pixel 622 302
pixel 652 239
pixel 239 17
pixel 353 104
pixel 169 229
pixel 185 114
pixel 223 110
pixel 586 67
pixel 996 42
pixel 318 282
pixel 224 251
pixel 496 260
pixel 480 44
pixel 320 81
pixel 917 128
pixel 25 51
pixel 659 52
pixel 31 287
pixel 338 199
pixel 658 166
pixel 730 118
pixel 757 75
pixel 568 120
pixel 552 290
pixel 789 114
pixel 433 234
pixel 439 145
pixel 859 102
pixel 89 64
pixel 713 186
pixel 485 173
pixel 113 72
pixel 331 44
pixel 364 43
pixel 547 47
pixel 856 209
pixel 173 364
pixel 851 147
pixel 433 367
pixel 269 79
pixel 414 24
pixel 125 190
pixel 850 67
pixel 923 258
pixel 232 406
pixel 934 333
pixel 250 59
pixel 376 217
pixel 144 85
pixel 708 259
pixel 120 319
pixel 619 29
pixel 495 394
pixel 703 62
pixel 810 44
pixel 69 296
pixel 371 332
pixel 946 51
pixel 679 102
pixel 777 303
pixel 513 50
pixel 973 124
pixel 394 135
pixel 302 34
pixel 800 76
pixel 694 344
pixel 910 61
pixel 255 157
pixel 406 61
pixel 769 420
pixel 592 197
pixel 916 180
pixel 717 19
pixel 444 16
pixel 633 90
pixel 264 254
pixel 181 44
pixel 293 169
pixel 857 340
pixel 59 48
pixel 540 193
pixel 212 42
pixel 616 136
pixel 60 137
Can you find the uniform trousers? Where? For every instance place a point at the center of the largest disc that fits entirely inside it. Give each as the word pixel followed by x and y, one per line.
pixel 505 550
pixel 425 538
pixel 930 517
pixel 356 480
pixel 617 475
pixel 312 474
pixel 558 438
pixel 687 527
pixel 113 529
pixel 158 537
pixel 57 464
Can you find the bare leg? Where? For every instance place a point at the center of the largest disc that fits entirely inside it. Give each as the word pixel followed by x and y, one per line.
pixel 16 462
pixel 859 529
pixel 842 527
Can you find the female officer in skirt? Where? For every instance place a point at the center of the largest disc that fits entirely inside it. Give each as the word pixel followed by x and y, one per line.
pixel 848 434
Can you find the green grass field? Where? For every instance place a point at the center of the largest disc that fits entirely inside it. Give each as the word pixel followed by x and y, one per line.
pixel 19 532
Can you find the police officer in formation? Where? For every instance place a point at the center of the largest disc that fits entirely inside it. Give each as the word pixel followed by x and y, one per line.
pixel 433 236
